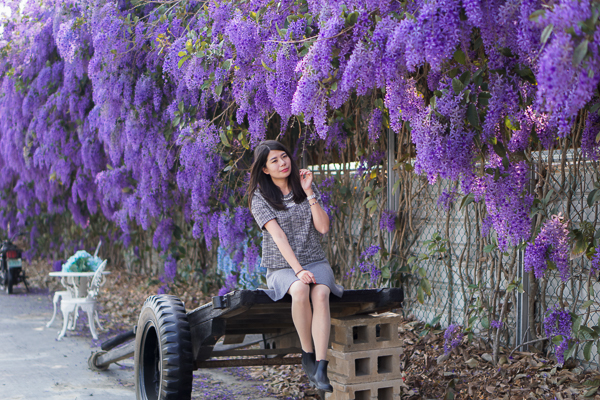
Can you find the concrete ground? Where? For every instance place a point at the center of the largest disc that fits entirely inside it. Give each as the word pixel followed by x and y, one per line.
pixel 34 365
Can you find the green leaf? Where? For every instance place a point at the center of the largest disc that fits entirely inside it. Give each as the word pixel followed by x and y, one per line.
pixel 465 78
pixel 218 90
pixel 472 286
pixel 420 295
pixel 472 115
pixel 422 272
pixel 459 57
pixel 224 138
pixel 488 248
pixel 557 339
pixel 457 85
pixel 351 19
pixel 589 333
pixel 334 86
pixel 485 322
pixel 546 33
pixel 579 247
pixel 577 324
pixel 426 285
pixel 593 197
pixel 371 203
pixel 182 53
pixel 587 304
pixel 580 52
pixel 385 272
pixel 468 199
pixel 499 149
pixel 182 60
pixel 266 66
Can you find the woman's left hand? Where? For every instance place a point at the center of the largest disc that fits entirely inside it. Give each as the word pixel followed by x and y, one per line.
pixel 306 178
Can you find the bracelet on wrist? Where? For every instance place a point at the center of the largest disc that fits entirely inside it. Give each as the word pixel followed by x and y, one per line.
pixel 312 196
pixel 313 203
pixel 300 271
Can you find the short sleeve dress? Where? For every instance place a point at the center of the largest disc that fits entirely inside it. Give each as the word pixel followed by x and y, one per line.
pixel 297 223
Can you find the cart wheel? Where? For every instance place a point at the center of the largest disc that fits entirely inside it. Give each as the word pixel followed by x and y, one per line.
pixel 163 351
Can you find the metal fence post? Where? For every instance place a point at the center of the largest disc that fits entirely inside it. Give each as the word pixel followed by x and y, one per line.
pixel 523 334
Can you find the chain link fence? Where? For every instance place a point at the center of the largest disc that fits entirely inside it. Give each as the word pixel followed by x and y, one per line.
pixel 472 283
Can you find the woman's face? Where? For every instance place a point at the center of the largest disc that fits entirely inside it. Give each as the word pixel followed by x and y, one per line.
pixel 278 165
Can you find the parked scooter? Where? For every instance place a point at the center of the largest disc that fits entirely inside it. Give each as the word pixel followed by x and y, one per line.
pixel 11 268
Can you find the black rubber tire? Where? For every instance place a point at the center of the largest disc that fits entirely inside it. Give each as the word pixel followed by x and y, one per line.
pixel 3 280
pixel 9 282
pixel 163 351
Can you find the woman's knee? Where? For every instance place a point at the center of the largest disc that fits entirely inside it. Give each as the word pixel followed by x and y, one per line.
pixel 299 291
pixel 320 294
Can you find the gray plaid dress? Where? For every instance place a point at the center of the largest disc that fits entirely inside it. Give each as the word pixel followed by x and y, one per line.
pixel 297 224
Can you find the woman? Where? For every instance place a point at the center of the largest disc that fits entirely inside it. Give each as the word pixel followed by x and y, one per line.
pixel 287 207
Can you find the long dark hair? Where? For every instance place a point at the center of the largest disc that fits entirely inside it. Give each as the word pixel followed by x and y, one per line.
pixel 264 182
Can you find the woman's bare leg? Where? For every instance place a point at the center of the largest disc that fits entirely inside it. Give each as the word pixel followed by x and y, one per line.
pixel 302 313
pixel 321 319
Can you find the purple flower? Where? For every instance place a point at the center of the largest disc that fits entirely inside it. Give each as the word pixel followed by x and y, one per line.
pixel 446 199
pixel 170 268
pixel 453 336
pixel 229 286
pixel 496 324
pixel 368 265
pixel 388 221
pixel 595 267
pixel 552 244
pixel 558 322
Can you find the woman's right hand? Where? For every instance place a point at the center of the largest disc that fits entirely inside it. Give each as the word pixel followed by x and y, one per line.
pixel 306 277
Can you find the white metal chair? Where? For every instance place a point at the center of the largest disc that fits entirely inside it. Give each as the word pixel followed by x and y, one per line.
pixel 87 304
pixel 62 294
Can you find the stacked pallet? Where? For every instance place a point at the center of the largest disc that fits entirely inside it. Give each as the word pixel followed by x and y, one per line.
pixel 364 359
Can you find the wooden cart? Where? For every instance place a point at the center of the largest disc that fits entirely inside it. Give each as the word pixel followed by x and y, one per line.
pixel 171 343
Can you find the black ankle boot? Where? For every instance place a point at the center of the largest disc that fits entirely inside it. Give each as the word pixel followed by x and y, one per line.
pixel 309 365
pixel 321 379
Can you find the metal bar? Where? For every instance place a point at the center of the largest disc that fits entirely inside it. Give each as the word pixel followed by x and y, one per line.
pixel 523 335
pixel 255 352
pixel 249 362
pixel 114 355
pixel 119 339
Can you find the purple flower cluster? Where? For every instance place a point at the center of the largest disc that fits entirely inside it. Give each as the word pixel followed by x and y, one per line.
pixel 564 87
pixel 446 199
pixel 102 117
pixel 558 322
pixel 453 337
pixel 387 222
pixel 595 261
pixel 368 265
pixel 496 324
pixel 230 285
pixel 552 244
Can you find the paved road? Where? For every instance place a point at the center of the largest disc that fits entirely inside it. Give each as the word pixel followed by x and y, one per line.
pixel 34 365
